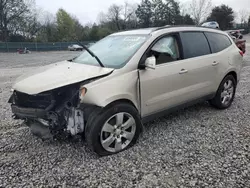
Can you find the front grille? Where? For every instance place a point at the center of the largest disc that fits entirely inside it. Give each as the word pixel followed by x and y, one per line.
pixel 41 101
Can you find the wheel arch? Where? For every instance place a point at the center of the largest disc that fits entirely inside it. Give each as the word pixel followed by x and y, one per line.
pixel 234 74
pixel 229 72
pixel 90 107
pixel 216 101
pixel 122 100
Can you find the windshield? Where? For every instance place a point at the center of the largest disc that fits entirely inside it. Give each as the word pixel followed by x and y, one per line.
pixel 113 51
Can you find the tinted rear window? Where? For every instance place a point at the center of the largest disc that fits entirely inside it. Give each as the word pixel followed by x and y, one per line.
pixel 194 44
pixel 218 42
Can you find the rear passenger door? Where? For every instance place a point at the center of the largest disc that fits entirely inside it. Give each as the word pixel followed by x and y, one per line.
pixel 220 44
pixel 200 65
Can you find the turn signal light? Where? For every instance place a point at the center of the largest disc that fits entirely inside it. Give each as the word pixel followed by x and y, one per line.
pixel 82 92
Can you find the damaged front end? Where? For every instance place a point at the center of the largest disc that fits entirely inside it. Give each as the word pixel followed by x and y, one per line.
pixel 51 112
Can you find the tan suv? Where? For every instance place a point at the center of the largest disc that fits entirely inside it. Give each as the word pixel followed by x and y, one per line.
pixel 125 79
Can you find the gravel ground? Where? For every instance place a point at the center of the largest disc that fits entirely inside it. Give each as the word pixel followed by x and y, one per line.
pixel 195 147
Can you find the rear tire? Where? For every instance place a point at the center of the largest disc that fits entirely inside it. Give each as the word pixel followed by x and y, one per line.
pixel 225 94
pixel 114 129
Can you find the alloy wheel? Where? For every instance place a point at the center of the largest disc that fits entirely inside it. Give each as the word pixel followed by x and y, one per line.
pixel 118 132
pixel 227 92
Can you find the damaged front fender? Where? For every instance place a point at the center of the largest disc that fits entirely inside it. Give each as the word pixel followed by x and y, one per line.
pixel 57 110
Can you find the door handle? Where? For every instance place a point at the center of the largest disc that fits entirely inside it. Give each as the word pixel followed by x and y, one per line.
pixel 183 71
pixel 215 63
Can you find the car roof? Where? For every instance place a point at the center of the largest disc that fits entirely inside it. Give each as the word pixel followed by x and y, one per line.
pixel 145 31
pixel 148 31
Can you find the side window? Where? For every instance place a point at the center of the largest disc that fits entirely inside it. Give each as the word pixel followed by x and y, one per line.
pixel 165 50
pixel 194 44
pixel 218 42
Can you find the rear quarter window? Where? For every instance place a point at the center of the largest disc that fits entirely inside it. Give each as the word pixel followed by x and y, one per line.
pixel 194 44
pixel 218 42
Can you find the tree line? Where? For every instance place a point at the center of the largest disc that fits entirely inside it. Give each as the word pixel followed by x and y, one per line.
pixel 20 20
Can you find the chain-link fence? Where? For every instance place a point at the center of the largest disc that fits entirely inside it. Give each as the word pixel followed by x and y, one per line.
pixel 34 46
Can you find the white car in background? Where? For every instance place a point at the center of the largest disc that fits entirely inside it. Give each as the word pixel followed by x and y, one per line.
pixel 212 24
pixel 75 47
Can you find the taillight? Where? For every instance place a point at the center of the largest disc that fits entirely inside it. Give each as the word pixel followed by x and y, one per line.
pixel 241 53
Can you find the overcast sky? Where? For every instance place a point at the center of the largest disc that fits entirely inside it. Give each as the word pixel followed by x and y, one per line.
pixel 88 10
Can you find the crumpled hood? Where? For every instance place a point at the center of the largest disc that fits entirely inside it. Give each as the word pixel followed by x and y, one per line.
pixel 57 75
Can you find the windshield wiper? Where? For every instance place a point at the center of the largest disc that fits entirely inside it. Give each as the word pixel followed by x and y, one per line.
pixel 71 60
pixel 91 53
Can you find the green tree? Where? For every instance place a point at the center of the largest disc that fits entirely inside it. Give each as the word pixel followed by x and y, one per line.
pixel 144 13
pixel 103 32
pixel 187 20
pixel 93 34
pixel 65 26
pixel 224 15
pixel 184 20
pixel 173 12
pixel 158 13
pixel 48 31
pixel 79 30
pixel 12 13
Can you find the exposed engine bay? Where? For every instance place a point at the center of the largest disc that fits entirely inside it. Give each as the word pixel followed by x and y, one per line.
pixel 51 112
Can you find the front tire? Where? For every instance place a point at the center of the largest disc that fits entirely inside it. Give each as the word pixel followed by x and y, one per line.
pixel 113 129
pixel 225 94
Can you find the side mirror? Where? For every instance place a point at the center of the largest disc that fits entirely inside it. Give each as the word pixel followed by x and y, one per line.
pixel 150 62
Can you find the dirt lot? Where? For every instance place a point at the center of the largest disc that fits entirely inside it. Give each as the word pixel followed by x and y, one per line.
pixel 195 147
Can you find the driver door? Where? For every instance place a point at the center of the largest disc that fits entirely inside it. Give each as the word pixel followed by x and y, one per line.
pixel 163 87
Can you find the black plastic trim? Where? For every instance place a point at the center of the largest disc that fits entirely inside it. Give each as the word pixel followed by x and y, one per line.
pixel 28 112
pixel 181 26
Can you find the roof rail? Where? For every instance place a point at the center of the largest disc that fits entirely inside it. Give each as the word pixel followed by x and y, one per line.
pixel 171 26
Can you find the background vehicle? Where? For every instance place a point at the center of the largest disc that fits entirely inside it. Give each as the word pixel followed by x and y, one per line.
pixel 75 47
pixel 212 24
pixel 23 51
pixel 126 79
pixel 234 34
pixel 238 39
